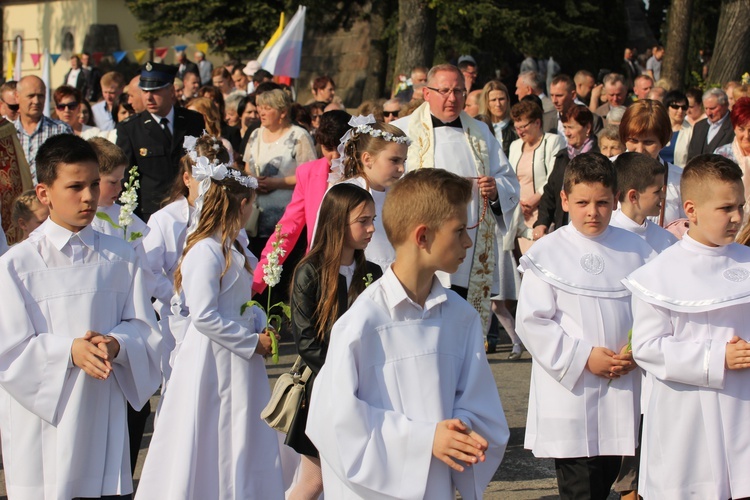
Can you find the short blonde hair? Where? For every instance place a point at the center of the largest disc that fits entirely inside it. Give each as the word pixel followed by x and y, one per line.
pixel 428 196
pixel 108 154
pixel 277 99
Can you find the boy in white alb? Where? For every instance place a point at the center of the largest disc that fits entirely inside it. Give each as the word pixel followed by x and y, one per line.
pixel 406 405
pixel 112 165
pixel 640 180
pixel 77 342
pixel 691 306
pixel 574 316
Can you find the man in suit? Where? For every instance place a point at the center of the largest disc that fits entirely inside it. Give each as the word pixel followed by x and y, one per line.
pixel 152 139
pixel 563 95
pixel 528 83
pixel 616 93
pixel 77 76
pixel 93 84
pixel 185 65
pixel 715 130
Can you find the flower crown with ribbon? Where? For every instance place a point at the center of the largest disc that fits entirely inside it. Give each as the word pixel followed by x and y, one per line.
pixel 360 124
pixel 204 170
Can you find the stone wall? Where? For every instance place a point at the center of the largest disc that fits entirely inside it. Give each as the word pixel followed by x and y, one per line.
pixel 342 55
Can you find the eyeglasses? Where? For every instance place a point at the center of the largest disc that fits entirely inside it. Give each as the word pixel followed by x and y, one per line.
pixel 390 113
pixel 444 92
pixel 70 105
pixel 683 107
pixel 522 127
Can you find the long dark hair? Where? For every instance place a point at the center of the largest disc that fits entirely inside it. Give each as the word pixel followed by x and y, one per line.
pixel 325 255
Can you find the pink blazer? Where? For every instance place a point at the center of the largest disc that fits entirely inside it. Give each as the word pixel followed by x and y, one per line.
pixel 312 183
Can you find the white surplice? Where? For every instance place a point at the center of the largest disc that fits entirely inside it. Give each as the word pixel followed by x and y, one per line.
pixel 393 371
pixel 163 246
pixel 687 304
pixel 209 441
pixel 656 236
pixel 453 153
pixel 64 433
pixel 571 300
pixel 659 239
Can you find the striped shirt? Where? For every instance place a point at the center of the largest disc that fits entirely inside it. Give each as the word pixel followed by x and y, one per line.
pixel 46 128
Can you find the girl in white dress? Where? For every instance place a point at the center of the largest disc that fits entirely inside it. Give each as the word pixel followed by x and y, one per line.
pixel 209 440
pixel 373 156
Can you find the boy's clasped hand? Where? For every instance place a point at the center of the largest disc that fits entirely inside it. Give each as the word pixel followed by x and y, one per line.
pixel 93 353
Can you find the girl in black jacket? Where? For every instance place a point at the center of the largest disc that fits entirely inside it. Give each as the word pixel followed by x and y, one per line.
pixel 326 282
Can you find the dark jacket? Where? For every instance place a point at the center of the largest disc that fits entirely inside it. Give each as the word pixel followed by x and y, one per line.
pixel 306 294
pixel 698 144
pixel 145 144
pixel 550 205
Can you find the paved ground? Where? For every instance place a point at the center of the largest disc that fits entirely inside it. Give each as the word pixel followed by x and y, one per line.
pixel 520 476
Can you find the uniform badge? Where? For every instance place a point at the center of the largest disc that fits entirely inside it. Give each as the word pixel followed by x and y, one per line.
pixel 148 66
pixel 143 151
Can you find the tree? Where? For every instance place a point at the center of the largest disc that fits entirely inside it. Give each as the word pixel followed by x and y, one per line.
pixel 416 35
pixel 731 55
pixel 236 28
pixel 678 36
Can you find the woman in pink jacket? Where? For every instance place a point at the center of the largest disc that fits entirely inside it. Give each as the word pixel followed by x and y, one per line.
pixel 312 183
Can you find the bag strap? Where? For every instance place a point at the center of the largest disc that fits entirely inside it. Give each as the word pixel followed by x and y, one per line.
pixel 296 365
pixel 306 373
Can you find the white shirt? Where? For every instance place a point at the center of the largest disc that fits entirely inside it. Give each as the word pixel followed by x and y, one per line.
pixel 713 127
pixel 170 117
pixel 73 77
pixel 657 237
pixel 395 369
pixel 103 116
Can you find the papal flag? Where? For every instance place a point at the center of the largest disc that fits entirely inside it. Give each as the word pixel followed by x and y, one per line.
pixel 283 57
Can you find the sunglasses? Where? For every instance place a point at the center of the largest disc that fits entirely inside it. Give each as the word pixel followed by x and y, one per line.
pixel 12 107
pixel 390 113
pixel 683 107
pixel 70 105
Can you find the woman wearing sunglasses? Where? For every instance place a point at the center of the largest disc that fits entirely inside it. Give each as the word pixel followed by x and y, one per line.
pixel 677 108
pixel 68 102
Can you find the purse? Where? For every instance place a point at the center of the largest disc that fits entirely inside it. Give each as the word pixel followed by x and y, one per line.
pixel 288 393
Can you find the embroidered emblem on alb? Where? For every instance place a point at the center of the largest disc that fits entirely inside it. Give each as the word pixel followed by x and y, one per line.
pixel 592 263
pixel 736 274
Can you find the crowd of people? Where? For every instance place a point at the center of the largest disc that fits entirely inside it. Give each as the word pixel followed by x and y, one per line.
pixel 600 224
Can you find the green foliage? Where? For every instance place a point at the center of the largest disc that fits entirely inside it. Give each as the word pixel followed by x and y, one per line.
pixel 236 28
pixel 106 218
pixel 578 34
pixel 703 30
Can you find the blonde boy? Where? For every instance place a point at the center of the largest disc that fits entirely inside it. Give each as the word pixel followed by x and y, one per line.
pixel 640 180
pixel 28 212
pixel 417 411
pixel 690 332
pixel 573 316
pixel 77 341
pixel 112 165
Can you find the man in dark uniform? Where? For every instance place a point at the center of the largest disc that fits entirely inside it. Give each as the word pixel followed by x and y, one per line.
pixel 152 139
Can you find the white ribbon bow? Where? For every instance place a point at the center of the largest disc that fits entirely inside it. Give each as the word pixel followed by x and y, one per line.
pixel 337 164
